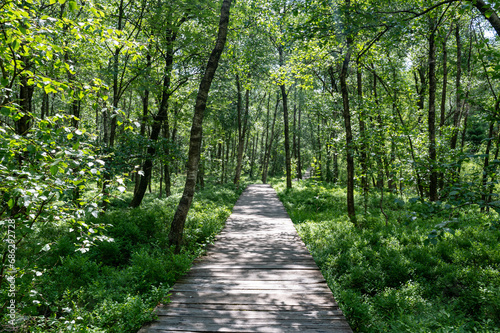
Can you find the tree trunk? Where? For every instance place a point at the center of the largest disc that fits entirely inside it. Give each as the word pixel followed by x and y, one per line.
pixel 420 85
pixel 220 159
pixel 464 130
pixel 265 136
pixel 75 110
pixel 487 190
pixel 362 132
pixel 488 13
pixel 379 155
pixel 264 147
pixel 486 171
pixel 391 175
pixel 254 152
pixel 494 174
pixel 294 130
pixel 335 165
pixel 166 164
pixel 23 124
pixel 160 192
pixel 443 99
pixel 45 106
pixel 445 86
pixel 284 96
pixel 329 173
pixel 228 145
pixel 319 150
pixel 299 134
pixel 177 226
pixel 242 128
pixel 351 212
pixel 267 155
pixel 458 101
pixel 116 93
pixel 432 119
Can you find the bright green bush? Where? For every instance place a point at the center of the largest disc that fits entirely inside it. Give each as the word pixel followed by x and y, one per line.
pixel 384 277
pixel 115 285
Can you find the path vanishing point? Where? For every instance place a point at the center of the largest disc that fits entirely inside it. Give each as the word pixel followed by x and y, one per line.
pixel 257 277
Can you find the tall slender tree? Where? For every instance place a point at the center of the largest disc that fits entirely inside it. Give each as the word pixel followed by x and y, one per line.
pixel 177 225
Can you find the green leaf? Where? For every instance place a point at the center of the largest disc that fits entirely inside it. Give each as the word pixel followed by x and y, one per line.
pixel 11 203
pixel 5 111
pixel 73 5
pixel 54 169
pixel 16 44
pixel 69 136
pixel 49 89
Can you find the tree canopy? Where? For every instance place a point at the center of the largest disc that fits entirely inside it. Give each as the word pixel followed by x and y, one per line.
pixel 114 100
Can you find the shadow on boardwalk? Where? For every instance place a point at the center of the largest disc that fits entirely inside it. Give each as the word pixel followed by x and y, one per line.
pixel 257 277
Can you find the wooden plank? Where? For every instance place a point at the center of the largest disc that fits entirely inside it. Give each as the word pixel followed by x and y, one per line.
pixel 304 280
pixel 252 329
pixel 252 274
pixel 271 297
pixel 249 289
pixel 250 307
pixel 256 261
pixel 253 266
pixel 229 326
pixel 249 285
pixel 249 314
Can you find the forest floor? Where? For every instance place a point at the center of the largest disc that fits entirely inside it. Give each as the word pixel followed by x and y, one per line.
pixel 257 277
pixel 385 275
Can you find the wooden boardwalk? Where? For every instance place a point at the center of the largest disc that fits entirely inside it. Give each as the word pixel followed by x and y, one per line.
pixel 257 277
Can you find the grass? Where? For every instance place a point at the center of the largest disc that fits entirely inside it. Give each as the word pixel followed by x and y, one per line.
pixel 384 277
pixel 115 285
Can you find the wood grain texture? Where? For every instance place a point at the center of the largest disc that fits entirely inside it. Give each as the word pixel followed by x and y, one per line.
pixel 257 277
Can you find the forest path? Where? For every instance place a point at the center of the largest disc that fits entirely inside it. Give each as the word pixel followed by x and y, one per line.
pixel 257 277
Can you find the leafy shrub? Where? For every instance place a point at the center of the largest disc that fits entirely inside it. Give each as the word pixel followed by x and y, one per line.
pixel 114 286
pixel 158 266
pixel 384 278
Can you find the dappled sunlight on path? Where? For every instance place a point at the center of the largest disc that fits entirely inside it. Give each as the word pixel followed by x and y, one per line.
pixel 257 277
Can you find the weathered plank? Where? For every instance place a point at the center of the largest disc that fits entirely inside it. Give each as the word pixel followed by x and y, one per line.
pixel 249 314
pixel 249 285
pixel 257 277
pixel 250 307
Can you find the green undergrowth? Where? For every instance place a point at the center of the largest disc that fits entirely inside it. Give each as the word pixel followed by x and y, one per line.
pixel 388 278
pixel 115 285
